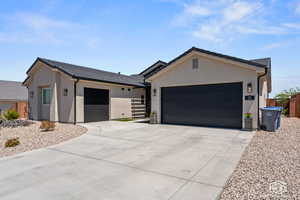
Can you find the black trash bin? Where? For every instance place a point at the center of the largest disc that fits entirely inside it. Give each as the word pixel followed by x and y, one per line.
pixel 271 117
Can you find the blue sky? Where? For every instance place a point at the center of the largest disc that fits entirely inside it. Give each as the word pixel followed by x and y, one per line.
pixel 128 35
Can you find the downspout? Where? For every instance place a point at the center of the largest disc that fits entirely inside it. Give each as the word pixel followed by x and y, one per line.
pixel 258 87
pixel 75 94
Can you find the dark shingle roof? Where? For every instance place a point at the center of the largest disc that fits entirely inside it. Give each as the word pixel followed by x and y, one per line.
pixel 267 62
pixel 153 67
pixel 91 74
pixel 218 55
pixel 12 90
pixel 263 61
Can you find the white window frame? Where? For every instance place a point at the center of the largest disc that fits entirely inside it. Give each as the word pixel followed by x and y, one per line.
pixel 43 89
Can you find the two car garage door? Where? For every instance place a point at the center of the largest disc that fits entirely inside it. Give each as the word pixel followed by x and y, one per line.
pixel 215 105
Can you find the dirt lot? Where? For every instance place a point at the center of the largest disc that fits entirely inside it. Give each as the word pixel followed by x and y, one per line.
pixel 31 137
pixel 269 167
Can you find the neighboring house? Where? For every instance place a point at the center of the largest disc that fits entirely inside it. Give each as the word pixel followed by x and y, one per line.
pixel 198 87
pixel 13 96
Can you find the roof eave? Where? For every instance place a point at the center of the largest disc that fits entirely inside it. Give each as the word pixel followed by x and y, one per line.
pixel 200 51
pixel 157 62
pixel 111 82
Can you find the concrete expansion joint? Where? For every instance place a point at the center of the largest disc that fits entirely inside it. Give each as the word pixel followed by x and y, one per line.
pixel 132 167
pixel 190 179
pixel 116 138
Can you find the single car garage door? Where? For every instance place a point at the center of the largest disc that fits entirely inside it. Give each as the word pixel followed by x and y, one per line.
pixel 215 105
pixel 96 105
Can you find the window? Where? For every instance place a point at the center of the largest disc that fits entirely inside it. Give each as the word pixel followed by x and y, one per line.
pixel 129 89
pixel 46 92
pixel 66 92
pixel 195 63
pixel 123 89
pixel 142 99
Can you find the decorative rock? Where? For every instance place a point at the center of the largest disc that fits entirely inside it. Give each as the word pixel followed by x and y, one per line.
pixel 270 158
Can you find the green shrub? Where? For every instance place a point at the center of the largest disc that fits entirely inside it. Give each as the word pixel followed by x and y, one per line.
pixel 285 112
pixel 124 119
pixel 12 142
pixel 11 114
pixel 248 115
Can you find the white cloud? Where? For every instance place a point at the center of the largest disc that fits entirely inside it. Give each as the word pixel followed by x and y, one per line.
pixel 40 29
pixel 290 43
pixel 233 18
pixel 197 10
pixel 261 30
pixel 39 22
pixel 190 13
pixel 274 45
pixel 292 25
pixel 225 20
pixel 209 32
pixel 239 10
pixel 298 8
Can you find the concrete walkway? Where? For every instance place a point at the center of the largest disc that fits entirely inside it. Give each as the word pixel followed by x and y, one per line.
pixel 121 160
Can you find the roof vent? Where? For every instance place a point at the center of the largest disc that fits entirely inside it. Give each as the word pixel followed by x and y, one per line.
pixel 195 63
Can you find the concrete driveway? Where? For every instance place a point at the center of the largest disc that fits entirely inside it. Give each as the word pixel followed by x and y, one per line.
pixel 134 161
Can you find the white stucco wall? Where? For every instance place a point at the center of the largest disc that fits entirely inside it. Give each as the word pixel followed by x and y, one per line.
pixel 119 103
pixel 263 93
pixel 209 72
pixel 66 103
pixel 43 77
pixel 62 107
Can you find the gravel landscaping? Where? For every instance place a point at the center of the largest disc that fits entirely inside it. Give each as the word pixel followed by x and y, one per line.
pixel 269 167
pixel 31 137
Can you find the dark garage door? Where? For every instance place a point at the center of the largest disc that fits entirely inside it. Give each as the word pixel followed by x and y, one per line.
pixel 96 105
pixel 216 105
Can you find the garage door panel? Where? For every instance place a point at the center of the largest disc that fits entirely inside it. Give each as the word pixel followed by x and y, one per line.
pixel 96 105
pixel 218 105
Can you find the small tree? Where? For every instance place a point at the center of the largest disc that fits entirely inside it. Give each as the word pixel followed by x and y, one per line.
pixel 11 115
pixel 284 96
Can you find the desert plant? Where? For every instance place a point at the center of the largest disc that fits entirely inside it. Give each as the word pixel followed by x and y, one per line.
pixel 153 118
pixel 152 114
pixel 11 115
pixel 47 125
pixel 248 115
pixel 12 142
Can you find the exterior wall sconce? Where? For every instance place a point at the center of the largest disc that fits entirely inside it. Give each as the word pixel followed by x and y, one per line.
pixel 154 92
pixel 66 92
pixel 31 94
pixel 249 88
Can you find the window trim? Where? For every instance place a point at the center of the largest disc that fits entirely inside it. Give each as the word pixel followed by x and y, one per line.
pixel 43 89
